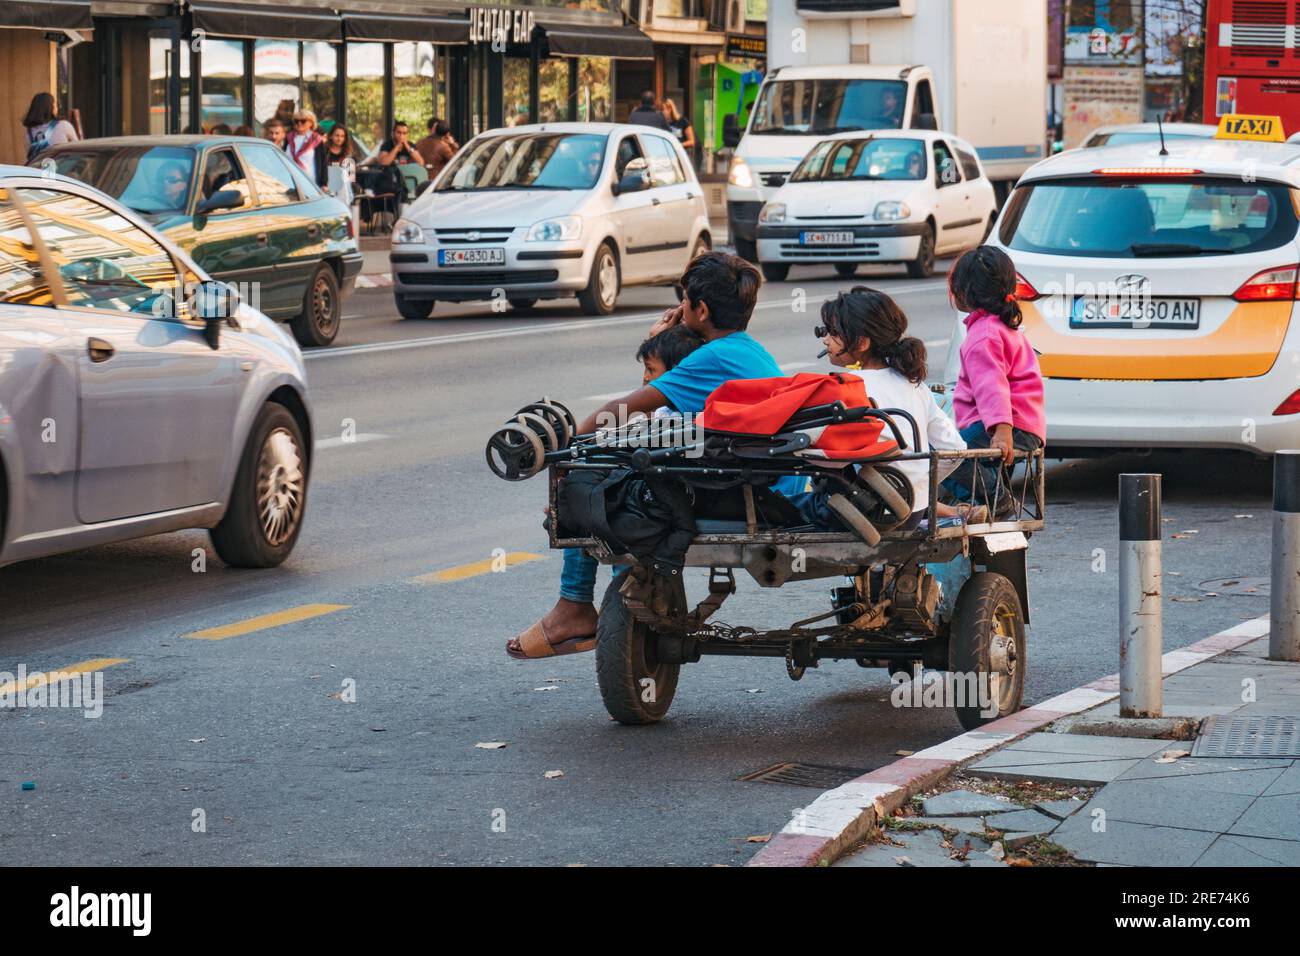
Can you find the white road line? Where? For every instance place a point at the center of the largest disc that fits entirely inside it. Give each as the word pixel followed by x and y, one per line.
pixel 546 329
pixel 351 440
pixel 791 366
pixel 607 397
pixel 937 343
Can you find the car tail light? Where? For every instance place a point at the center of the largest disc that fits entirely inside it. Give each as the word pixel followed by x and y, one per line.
pixel 351 229
pixel 1140 171
pixel 1271 285
pixel 1024 291
pixel 1289 406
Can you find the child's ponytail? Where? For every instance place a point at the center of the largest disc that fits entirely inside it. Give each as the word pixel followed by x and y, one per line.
pixel 984 280
pixel 863 313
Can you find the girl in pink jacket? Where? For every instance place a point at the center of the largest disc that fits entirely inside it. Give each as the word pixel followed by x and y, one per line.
pixel 998 402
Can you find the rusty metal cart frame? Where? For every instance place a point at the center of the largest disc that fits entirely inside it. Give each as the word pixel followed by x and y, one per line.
pixel 898 608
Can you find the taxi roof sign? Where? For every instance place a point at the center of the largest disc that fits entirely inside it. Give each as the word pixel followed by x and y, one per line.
pixel 1264 129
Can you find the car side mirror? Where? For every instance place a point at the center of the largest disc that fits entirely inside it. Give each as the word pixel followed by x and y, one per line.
pixel 925 121
pixel 221 199
pixel 633 182
pixel 215 303
pixel 730 131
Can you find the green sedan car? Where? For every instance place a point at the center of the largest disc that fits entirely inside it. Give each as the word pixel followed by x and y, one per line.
pixel 242 210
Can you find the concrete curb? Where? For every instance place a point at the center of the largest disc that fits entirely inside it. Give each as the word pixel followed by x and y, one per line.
pixel 375 280
pixel 840 818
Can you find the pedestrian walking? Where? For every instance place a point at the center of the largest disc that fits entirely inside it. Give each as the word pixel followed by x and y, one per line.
pixel 647 114
pixel 341 167
pixel 437 148
pixel 305 146
pixel 274 131
pixel 44 127
pixel 680 127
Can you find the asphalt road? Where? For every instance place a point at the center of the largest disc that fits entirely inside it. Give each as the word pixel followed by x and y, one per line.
pixel 256 736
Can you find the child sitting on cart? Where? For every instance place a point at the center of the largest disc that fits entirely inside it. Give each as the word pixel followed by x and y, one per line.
pixel 719 292
pixel 865 331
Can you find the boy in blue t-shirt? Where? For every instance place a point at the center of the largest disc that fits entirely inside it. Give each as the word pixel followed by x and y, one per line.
pixel 719 292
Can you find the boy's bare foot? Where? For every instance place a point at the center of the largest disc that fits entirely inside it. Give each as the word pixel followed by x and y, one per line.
pixel 564 622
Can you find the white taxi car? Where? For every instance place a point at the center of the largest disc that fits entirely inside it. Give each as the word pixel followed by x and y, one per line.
pixel 1159 291
pixel 549 211
pixel 1122 134
pixel 901 196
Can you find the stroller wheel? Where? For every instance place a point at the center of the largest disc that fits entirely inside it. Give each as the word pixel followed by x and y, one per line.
pixel 559 424
pixel 568 416
pixel 893 492
pixel 541 427
pixel 515 453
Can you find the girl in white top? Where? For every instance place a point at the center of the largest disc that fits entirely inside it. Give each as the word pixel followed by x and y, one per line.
pixel 43 126
pixel 865 331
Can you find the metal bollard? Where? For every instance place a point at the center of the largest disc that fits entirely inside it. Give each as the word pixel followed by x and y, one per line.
pixel 1141 635
pixel 1284 605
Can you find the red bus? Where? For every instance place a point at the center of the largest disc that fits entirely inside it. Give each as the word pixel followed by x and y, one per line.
pixel 1252 59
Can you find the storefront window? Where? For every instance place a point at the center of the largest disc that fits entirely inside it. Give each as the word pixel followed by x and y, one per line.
pixel 413 85
pixel 440 84
pixel 514 91
pixel 320 67
pixel 160 74
pixel 365 73
pixel 553 90
pixel 223 84
pixel 595 89
pixel 277 88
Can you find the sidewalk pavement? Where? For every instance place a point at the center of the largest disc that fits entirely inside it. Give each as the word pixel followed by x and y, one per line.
pixel 1231 797
pixel 375 272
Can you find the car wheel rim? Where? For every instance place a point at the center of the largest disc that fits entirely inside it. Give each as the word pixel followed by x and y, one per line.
pixel 279 487
pixel 322 304
pixel 607 278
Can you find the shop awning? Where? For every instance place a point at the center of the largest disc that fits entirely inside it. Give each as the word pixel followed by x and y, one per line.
pixel 580 39
pixel 259 21
pixel 46 14
pixel 401 27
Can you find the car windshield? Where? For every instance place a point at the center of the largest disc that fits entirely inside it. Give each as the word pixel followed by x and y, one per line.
pixel 863 159
pixel 1120 217
pixel 1137 136
pixel 148 179
pixel 823 106
pixel 527 161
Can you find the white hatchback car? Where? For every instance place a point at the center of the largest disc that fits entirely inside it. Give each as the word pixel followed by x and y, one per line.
pixel 883 196
pixel 548 211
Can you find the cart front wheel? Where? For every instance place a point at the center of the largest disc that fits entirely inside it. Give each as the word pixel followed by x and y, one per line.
pixel 636 686
pixel 987 654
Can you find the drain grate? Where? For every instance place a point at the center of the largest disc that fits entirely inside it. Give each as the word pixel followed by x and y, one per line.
pixel 815 775
pixel 1261 736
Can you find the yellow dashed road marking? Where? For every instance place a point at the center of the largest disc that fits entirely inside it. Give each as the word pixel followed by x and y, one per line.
pixel 463 571
pixel 56 674
pixel 264 621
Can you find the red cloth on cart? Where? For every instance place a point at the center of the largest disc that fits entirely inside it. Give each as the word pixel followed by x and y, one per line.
pixel 763 406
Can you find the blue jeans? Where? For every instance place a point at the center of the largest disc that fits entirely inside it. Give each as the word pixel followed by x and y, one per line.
pixel 961 483
pixel 578 579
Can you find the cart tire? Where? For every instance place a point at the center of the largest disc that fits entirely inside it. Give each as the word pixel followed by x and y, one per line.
pixel 988 637
pixel 625 662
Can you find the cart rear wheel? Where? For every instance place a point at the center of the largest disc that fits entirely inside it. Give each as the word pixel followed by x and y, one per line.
pixel 988 638
pixel 635 685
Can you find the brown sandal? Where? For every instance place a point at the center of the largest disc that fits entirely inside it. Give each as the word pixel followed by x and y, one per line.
pixel 534 644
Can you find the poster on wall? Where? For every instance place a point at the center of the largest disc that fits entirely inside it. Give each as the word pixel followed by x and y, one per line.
pixel 1098 96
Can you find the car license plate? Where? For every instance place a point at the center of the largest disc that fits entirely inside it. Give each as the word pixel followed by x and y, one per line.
pixel 471 257
pixel 825 238
pixel 1137 312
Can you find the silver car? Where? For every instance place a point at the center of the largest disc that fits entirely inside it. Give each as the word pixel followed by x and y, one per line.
pixel 549 211
pixel 137 396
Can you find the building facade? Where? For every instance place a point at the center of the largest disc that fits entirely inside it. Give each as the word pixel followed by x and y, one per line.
pixel 166 66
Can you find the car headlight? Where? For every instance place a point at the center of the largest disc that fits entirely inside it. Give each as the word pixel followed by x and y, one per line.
pixel 772 212
pixel 740 174
pixel 405 231
pixel 554 230
pixel 891 211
